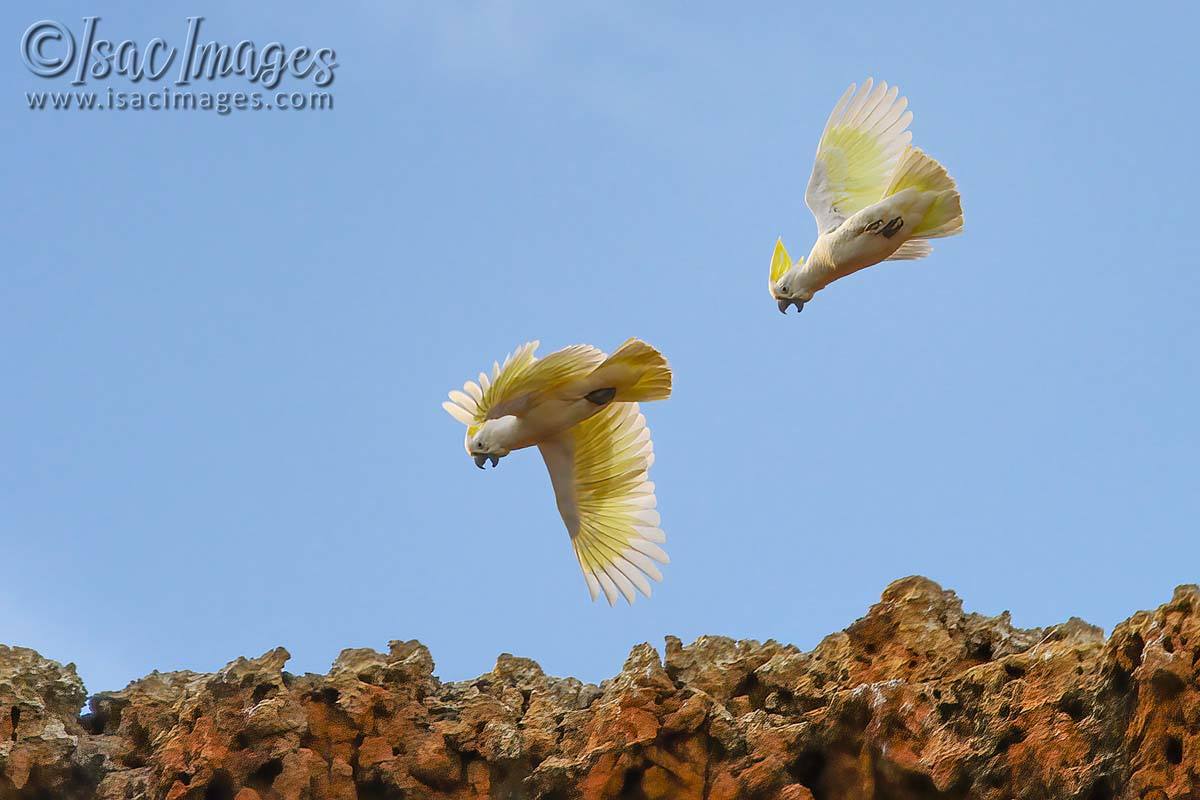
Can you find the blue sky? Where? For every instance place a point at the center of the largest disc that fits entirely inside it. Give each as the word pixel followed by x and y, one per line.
pixel 226 338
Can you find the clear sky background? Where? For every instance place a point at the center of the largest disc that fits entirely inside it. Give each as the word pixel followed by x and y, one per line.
pixel 224 339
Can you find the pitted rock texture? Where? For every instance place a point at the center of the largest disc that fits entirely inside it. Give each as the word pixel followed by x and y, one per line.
pixel 915 700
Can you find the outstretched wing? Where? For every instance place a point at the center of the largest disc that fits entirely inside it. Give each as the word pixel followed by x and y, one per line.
pixel 863 140
pixel 516 383
pixel 599 471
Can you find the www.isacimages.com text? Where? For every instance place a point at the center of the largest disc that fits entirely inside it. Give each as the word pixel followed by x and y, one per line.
pixel 168 99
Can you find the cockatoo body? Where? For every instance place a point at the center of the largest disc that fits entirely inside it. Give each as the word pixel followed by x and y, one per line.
pixel 874 196
pixel 579 407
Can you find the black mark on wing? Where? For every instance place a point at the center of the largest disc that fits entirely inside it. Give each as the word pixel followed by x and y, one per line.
pixel 601 396
pixel 892 228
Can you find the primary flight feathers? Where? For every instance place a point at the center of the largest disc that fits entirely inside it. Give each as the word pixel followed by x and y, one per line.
pixel 599 470
pixel 873 195
pixel 579 407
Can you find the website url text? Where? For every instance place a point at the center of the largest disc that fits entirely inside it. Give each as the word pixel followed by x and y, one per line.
pixel 168 99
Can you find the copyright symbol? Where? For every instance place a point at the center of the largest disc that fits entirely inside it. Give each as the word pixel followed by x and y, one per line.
pixel 35 38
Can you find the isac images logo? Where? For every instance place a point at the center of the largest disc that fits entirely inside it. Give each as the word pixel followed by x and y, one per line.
pixel 51 50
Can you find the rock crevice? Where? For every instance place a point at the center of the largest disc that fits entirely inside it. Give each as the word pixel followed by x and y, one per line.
pixel 917 699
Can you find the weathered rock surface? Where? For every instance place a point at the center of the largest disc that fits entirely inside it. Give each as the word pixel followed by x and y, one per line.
pixel 915 700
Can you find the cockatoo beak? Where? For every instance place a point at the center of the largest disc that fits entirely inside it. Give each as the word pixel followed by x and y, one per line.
pixel 481 459
pixel 783 305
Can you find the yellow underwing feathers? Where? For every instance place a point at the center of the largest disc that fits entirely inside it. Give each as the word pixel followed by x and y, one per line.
pixel 863 141
pixel 600 473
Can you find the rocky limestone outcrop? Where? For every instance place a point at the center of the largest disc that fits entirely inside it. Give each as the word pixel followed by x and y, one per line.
pixel 915 700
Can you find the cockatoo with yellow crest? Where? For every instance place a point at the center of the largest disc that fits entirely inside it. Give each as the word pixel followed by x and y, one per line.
pixel 875 197
pixel 579 407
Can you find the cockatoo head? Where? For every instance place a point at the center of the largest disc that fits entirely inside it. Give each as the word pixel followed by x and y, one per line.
pixel 482 443
pixel 786 282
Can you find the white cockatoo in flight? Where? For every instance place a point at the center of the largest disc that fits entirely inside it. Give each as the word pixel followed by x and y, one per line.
pixel 875 197
pixel 579 407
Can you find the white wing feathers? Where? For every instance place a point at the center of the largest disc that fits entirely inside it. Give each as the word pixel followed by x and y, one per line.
pixel 859 149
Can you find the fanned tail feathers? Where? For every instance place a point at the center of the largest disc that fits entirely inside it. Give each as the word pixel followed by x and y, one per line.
pixel 944 216
pixel 637 371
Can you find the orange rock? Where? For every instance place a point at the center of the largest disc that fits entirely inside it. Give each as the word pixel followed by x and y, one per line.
pixel 724 787
pixel 373 750
pixel 796 791
pixel 918 699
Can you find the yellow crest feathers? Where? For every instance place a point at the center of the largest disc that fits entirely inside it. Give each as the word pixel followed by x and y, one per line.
pixel 781 262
